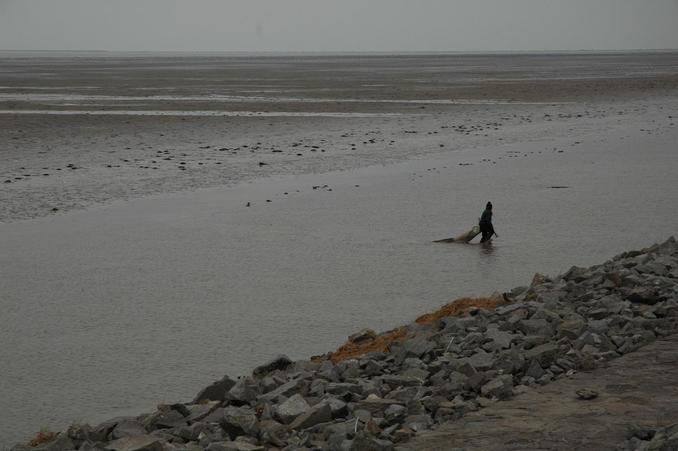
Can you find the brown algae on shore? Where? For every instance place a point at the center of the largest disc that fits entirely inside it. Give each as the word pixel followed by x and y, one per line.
pixel 460 307
pixel 44 436
pixel 367 342
pixel 380 343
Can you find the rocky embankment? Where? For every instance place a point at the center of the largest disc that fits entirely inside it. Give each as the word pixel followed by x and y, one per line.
pixel 380 390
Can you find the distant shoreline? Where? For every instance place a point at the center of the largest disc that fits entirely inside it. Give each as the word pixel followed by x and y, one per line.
pixel 273 54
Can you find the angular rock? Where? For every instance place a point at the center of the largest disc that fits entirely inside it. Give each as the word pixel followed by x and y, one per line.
pixel 366 442
pixel 403 434
pixel 192 432
pixel 100 432
pixel 418 373
pixel 539 327
pixel 375 405
pixel 587 394
pixel 458 381
pixel 418 422
pixel 544 354
pixel 164 419
pixel 338 407
pixel 404 394
pixel 272 432
pixel 138 443
pixel 216 391
pixel 239 420
pixel 600 342
pixel 320 413
pixel 394 412
pixel 401 381
pixel 278 363
pixel 572 327
pixel 372 368
pixel 200 411
pixel 664 439
pixel 502 339
pixel 127 428
pixel 644 295
pixel 481 360
pixel 500 387
pixel 292 408
pixel 576 274
pixel 534 370
pixel 234 446
pixel 284 391
pixel 418 347
pixel 338 388
pixel 243 392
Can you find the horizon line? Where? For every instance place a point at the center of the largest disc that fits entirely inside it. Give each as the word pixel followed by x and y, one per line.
pixel 345 52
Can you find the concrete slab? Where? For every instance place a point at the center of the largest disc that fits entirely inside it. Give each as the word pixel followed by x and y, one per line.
pixel 638 388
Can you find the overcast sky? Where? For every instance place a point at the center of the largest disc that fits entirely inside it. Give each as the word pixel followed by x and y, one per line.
pixel 337 25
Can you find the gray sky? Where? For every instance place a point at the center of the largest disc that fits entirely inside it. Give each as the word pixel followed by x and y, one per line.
pixel 337 25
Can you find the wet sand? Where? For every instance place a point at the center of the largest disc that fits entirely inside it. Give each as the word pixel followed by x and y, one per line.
pixel 169 123
pixel 127 303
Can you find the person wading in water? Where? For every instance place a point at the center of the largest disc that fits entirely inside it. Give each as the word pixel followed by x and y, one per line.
pixel 486 227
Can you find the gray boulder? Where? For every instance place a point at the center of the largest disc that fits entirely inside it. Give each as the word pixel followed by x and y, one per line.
pixel 320 413
pixel 401 381
pixel 481 360
pixel 544 354
pixel 234 446
pixel 278 363
pixel 502 340
pixel 216 391
pixel 500 387
pixel 127 428
pixel 292 408
pixel 165 418
pixel 243 392
pixel 366 442
pixel 418 347
pixel 138 443
pixel 644 295
pixel 539 327
pixel 192 432
pixel 534 370
pixel 339 388
pixel 375 405
pixel 239 421
pixel 284 391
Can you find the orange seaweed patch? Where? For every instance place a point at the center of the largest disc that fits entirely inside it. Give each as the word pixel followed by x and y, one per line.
pixel 460 307
pixel 380 343
pixel 42 438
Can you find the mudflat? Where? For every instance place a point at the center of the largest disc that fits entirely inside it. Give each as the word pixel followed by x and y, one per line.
pixel 80 129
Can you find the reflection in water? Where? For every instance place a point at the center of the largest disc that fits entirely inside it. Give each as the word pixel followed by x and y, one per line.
pixel 487 248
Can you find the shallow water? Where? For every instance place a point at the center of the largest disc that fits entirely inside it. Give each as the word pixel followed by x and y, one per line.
pixel 195 113
pixel 114 309
pixel 57 99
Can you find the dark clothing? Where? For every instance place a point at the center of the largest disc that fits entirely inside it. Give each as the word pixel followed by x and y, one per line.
pixel 486 217
pixel 487 230
pixel 485 224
